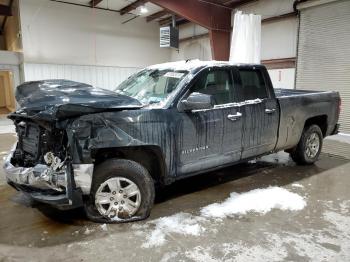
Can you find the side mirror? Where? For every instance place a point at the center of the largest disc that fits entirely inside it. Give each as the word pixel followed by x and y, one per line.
pixel 196 101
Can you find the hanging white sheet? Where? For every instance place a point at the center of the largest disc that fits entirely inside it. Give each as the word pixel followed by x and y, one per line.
pixel 246 38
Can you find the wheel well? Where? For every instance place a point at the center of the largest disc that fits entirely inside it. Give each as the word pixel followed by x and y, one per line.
pixel 321 121
pixel 149 157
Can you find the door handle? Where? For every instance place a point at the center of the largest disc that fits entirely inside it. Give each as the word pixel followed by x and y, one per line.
pixel 234 117
pixel 270 111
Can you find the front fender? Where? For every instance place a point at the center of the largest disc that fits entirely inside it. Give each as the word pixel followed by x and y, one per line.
pixel 92 132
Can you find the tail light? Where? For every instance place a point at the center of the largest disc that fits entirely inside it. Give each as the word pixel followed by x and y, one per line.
pixel 339 107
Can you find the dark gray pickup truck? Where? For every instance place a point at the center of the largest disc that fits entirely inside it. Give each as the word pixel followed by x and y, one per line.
pixel 106 150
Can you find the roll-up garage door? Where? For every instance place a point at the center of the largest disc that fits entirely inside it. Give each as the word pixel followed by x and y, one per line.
pixel 324 51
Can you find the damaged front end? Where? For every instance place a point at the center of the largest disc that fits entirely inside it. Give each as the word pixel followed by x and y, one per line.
pixel 48 162
pixel 44 177
pixel 39 165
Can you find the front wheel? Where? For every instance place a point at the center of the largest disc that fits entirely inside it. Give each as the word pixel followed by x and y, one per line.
pixel 122 191
pixel 309 146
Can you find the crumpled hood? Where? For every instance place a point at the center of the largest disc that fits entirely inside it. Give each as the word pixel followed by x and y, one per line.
pixel 59 99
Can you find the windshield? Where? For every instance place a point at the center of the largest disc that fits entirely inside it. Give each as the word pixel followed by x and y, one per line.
pixel 151 86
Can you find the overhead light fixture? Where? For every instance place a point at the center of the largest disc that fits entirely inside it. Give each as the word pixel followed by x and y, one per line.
pixel 143 9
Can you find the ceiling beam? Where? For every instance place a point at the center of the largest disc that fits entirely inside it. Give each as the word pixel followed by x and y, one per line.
pixel 279 17
pixel 210 16
pixel 280 63
pixel 235 3
pixel 216 18
pixel 169 21
pixel 94 3
pixel 132 6
pixel 157 15
pixel 5 10
pixel 166 21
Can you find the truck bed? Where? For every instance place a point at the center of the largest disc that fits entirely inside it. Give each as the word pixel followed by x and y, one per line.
pixel 296 106
pixel 281 92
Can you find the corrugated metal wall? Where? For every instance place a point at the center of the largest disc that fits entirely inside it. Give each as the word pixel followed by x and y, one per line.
pixel 106 77
pixel 324 52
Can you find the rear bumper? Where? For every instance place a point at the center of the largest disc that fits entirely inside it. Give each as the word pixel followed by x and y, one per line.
pixel 336 129
pixel 62 188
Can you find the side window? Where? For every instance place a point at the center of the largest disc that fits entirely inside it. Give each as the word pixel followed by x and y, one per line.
pixel 253 84
pixel 217 83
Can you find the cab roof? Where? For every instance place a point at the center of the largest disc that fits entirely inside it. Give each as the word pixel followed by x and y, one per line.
pixel 190 65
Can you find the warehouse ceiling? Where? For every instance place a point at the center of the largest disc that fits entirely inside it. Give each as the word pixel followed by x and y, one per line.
pixel 148 10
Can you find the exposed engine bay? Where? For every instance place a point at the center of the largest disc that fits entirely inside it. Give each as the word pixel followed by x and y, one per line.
pixel 35 141
pixel 39 157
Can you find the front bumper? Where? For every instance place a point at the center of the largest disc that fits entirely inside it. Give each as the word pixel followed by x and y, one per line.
pixel 62 188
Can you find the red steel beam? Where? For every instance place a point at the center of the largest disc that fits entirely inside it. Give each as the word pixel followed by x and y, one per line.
pixel 220 45
pixel 212 17
pixel 216 18
pixel 5 10
pixel 236 3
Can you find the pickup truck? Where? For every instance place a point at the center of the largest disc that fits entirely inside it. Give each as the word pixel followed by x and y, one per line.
pixel 108 150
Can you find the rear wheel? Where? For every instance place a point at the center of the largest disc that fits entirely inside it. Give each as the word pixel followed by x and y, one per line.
pixel 122 191
pixel 309 146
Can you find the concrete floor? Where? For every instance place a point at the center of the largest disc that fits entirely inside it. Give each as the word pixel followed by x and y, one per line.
pixel 319 232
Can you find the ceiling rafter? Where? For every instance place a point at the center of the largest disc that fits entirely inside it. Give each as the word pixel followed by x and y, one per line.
pixel 158 15
pixel 167 21
pixel 132 6
pixel 94 3
pixel 234 4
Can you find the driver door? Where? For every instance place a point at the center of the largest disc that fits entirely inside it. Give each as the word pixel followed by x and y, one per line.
pixel 211 137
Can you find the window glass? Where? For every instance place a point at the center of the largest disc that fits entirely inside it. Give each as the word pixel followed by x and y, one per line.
pixel 151 86
pixel 218 84
pixel 253 84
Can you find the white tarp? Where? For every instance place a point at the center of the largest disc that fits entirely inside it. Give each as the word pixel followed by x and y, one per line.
pixel 246 38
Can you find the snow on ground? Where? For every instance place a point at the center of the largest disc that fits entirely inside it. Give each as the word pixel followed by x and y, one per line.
pixel 343 138
pixel 280 157
pixel 7 129
pixel 156 232
pixel 238 252
pixel 327 241
pixel 104 227
pixel 257 200
pixel 297 185
pixel 181 223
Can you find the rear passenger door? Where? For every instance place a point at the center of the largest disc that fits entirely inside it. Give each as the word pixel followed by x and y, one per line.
pixel 260 111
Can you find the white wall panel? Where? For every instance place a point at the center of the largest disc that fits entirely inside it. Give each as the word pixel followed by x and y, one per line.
pixel 268 8
pixel 282 78
pixel 190 30
pixel 193 49
pixel 279 39
pixel 106 77
pixel 58 33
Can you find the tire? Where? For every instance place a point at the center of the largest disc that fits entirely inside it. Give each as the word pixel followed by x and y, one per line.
pixel 106 204
pixel 306 153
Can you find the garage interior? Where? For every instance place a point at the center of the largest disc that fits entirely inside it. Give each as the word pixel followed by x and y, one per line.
pixel 305 44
